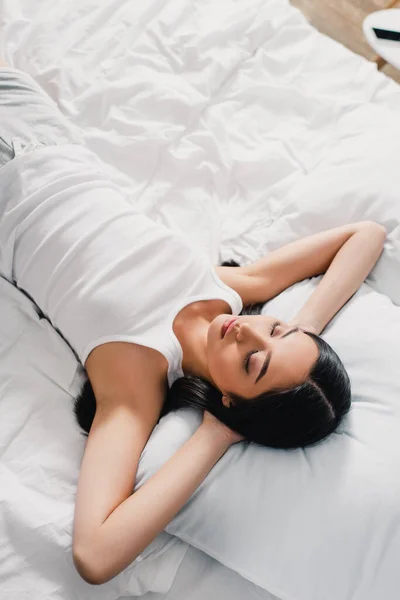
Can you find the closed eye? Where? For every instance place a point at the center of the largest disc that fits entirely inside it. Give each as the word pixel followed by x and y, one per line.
pixel 273 327
pixel 246 361
pixel 268 357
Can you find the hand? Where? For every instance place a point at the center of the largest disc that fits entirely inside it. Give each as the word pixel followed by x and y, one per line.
pixel 220 429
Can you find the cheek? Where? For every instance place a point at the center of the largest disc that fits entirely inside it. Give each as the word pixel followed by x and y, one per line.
pixel 216 361
pixel 223 364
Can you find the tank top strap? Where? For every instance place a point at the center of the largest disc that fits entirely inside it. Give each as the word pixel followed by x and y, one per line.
pixel 231 296
pixel 218 290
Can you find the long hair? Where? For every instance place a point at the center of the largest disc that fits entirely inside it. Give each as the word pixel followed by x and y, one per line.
pixel 291 418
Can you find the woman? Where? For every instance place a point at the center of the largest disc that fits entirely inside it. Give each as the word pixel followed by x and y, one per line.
pixel 284 415
pixel 142 311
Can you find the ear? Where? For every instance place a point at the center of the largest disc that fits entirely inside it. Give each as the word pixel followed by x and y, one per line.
pixel 227 401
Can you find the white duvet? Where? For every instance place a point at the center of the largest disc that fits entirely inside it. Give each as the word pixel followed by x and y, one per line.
pixel 239 124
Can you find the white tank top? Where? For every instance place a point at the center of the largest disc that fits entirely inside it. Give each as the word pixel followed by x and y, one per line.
pixel 98 269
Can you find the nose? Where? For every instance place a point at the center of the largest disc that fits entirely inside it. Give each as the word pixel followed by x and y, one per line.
pixel 244 332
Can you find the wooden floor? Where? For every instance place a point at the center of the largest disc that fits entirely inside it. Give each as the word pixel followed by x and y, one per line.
pixel 342 20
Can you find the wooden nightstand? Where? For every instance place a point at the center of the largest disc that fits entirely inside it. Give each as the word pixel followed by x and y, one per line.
pixel 343 21
pixel 387 49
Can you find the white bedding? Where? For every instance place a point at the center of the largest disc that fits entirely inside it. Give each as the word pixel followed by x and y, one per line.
pixel 200 577
pixel 235 122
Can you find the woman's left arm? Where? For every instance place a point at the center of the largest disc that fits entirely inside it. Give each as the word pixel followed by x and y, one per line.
pixel 344 254
pixel 347 271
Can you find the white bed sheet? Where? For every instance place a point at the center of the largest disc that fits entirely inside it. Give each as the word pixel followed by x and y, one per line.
pixel 200 577
pixel 212 117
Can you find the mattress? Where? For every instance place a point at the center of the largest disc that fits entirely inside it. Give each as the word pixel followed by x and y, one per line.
pixel 212 117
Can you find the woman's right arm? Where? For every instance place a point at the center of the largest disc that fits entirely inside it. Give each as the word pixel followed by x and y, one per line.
pixel 101 550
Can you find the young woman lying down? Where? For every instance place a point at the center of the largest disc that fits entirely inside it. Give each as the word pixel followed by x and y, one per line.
pixel 156 326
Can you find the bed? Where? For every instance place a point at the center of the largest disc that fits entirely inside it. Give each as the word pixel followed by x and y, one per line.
pixel 215 119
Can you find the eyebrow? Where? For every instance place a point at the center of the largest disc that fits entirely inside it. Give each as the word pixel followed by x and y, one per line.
pixel 289 332
pixel 268 357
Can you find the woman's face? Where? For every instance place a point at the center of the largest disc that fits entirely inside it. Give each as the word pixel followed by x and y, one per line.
pixel 256 354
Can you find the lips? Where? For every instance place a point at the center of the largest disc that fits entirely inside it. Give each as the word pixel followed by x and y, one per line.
pixel 226 326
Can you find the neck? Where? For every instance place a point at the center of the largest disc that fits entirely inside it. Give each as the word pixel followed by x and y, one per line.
pixel 191 330
pixel 194 346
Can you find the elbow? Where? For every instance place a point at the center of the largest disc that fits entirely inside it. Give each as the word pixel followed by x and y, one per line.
pixel 87 567
pixel 382 233
pixel 376 229
pixel 91 568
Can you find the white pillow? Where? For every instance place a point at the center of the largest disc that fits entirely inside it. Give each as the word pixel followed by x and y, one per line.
pixel 323 522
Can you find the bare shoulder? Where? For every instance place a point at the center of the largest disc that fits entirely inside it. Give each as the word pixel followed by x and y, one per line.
pixel 122 372
pixel 241 281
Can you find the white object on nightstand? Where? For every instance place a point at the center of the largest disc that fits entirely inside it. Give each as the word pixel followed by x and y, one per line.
pixel 384 19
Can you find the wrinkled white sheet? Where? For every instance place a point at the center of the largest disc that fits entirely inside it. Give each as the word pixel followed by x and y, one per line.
pixel 200 577
pixel 235 122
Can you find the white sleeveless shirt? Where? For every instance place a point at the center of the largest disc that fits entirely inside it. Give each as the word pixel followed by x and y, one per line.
pixel 98 269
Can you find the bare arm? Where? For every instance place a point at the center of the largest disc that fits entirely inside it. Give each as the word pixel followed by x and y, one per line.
pixel 347 271
pixel 109 531
pixel 134 524
pixel 345 254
